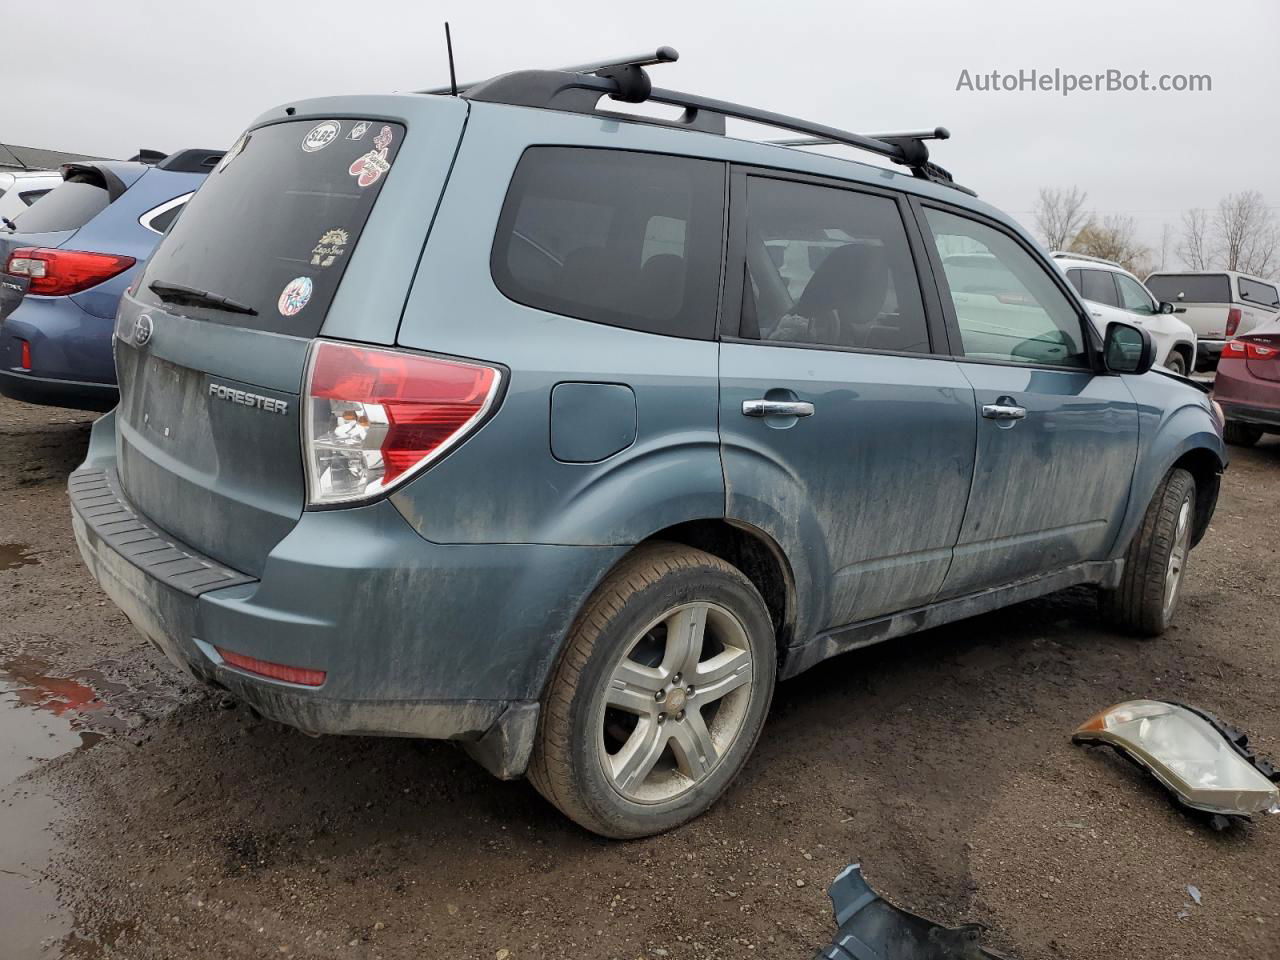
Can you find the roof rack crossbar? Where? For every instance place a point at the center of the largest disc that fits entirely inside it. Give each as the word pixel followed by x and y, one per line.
pixel 647 59
pixel 579 89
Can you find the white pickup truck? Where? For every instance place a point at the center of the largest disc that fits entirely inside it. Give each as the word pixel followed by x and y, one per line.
pixel 1219 305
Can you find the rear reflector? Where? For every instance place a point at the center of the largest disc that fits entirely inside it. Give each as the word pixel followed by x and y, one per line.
pixel 56 273
pixel 375 417
pixel 1233 321
pixel 26 354
pixel 276 671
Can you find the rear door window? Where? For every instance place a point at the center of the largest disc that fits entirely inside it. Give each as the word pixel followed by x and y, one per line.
pixel 69 206
pixel 626 239
pixel 1259 294
pixel 273 226
pixel 1097 285
pixel 829 267
pixel 1190 287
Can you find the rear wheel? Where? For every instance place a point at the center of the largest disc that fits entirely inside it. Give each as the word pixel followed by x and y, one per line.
pixel 1155 563
pixel 660 695
pixel 1241 434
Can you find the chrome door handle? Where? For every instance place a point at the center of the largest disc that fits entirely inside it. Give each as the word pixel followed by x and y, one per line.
pixel 777 408
pixel 1003 411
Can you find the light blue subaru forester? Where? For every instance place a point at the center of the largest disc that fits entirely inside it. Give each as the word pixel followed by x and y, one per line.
pixel 512 419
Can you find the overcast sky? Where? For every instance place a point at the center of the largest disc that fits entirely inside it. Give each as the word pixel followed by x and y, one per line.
pixel 108 78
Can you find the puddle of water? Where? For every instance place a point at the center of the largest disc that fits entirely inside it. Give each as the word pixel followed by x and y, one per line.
pixel 14 555
pixel 30 916
pixel 43 716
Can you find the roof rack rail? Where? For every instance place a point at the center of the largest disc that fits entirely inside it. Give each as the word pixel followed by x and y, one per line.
pixel 661 55
pixel 579 89
pixel 1068 255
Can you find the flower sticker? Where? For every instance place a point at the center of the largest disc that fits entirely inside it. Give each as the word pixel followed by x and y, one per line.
pixel 295 296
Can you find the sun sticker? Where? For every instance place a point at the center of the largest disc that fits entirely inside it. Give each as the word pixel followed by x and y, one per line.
pixel 332 244
pixel 295 296
pixel 232 153
pixel 321 135
pixel 369 168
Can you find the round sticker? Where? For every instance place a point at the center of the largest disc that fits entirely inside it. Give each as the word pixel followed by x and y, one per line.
pixel 295 296
pixel 321 135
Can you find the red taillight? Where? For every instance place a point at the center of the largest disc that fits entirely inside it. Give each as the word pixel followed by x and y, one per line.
pixel 1248 350
pixel 375 417
pixel 276 671
pixel 26 354
pixel 56 273
pixel 1233 321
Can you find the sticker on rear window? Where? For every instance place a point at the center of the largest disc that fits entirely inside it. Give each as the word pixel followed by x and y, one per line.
pixel 295 296
pixel 332 244
pixel 370 168
pixel 321 135
pixel 359 130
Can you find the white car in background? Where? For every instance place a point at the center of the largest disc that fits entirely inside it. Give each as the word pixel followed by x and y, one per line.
pixel 1113 293
pixel 21 188
pixel 1218 304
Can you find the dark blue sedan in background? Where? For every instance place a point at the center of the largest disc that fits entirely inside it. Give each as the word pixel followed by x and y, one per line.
pixel 66 263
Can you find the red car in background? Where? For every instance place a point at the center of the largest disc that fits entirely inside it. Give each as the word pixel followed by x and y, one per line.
pixel 1248 384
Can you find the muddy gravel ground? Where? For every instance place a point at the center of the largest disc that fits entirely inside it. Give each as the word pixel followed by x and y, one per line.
pixel 164 823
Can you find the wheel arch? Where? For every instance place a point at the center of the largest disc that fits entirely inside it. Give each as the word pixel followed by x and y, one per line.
pixel 1206 469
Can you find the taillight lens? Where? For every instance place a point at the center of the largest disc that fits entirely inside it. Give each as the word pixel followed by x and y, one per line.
pixel 1233 321
pixel 56 273
pixel 375 417
pixel 1248 350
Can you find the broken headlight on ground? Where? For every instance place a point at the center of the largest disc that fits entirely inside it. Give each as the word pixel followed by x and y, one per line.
pixel 1206 764
pixel 872 928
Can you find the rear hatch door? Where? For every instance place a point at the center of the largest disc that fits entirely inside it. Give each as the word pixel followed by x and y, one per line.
pixel 212 343
pixel 1205 299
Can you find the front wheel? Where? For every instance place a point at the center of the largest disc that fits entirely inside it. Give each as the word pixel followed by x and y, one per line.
pixel 659 696
pixel 1156 561
pixel 1176 363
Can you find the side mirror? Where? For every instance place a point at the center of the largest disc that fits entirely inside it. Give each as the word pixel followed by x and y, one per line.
pixel 1167 307
pixel 1127 349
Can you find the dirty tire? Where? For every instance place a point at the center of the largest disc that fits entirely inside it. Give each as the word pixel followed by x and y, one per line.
pixel 1139 604
pixel 1241 434
pixel 568 763
pixel 1176 363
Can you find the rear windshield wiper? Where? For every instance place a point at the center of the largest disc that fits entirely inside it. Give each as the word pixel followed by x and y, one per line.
pixel 177 293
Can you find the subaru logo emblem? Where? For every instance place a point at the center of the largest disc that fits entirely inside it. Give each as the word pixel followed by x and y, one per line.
pixel 142 330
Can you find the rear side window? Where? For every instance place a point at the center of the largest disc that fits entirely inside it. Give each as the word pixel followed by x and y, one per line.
pixel 159 218
pixel 31 196
pixel 1262 294
pixel 272 227
pixel 626 239
pixel 1190 287
pixel 1098 286
pixel 830 267
pixel 69 206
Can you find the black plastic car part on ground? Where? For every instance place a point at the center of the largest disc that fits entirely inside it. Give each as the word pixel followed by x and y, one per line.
pixel 872 928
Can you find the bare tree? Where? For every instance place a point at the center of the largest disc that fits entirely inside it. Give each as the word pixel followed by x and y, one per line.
pixel 1113 238
pixel 1166 241
pixel 1245 234
pixel 1060 216
pixel 1193 241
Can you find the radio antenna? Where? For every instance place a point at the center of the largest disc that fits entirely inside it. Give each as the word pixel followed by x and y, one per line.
pixel 453 77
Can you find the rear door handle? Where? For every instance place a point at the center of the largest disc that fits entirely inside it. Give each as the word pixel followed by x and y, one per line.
pixel 1003 411
pixel 777 408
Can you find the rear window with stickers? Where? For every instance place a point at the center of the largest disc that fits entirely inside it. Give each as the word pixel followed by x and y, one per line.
pixel 265 241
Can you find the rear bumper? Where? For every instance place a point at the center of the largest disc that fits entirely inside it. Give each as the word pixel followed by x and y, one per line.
pixel 71 360
pixel 49 392
pixel 1265 417
pixel 453 645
